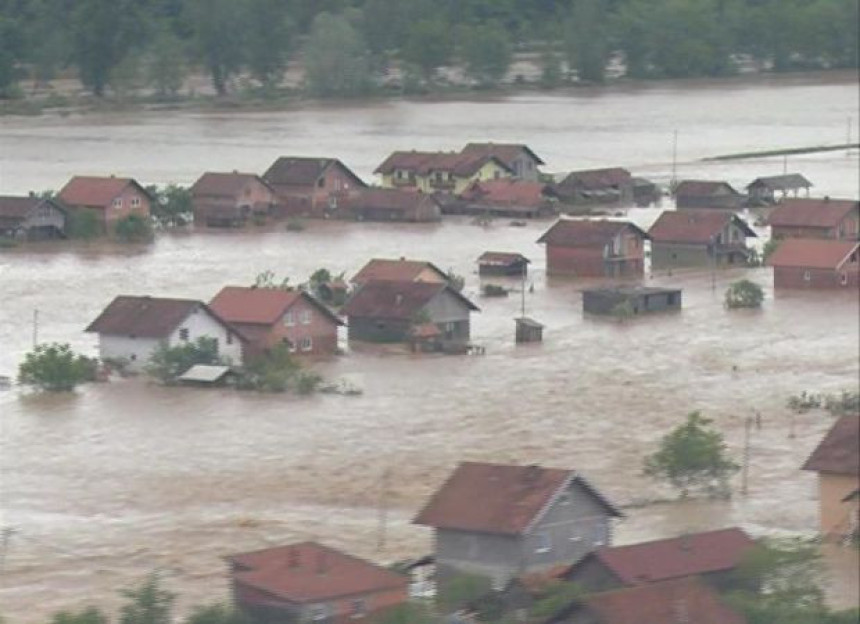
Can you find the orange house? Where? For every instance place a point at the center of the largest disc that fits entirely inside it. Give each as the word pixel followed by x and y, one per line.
pixel 594 248
pixel 111 198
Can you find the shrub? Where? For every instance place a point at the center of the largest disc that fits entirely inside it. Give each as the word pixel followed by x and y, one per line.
pixel 56 368
pixel 307 382
pixel 295 225
pixel 744 294
pixel 83 224
pixel 494 290
pixel 167 363
pixel 271 372
pixel 133 229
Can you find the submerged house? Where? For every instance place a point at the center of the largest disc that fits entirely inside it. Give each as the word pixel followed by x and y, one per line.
pixel 388 311
pixel 110 198
pixel 388 204
pixel 502 521
pixel 439 172
pixel 816 263
pixel 502 263
pixel 596 186
pixel 230 199
pixel 815 218
pixel 699 238
pixel 310 582
pixel 130 329
pixel 769 189
pixel 632 300
pixel 520 159
pixel 707 194
pixel 310 186
pixel 401 270
pixel 509 197
pixel 32 218
pixel 602 248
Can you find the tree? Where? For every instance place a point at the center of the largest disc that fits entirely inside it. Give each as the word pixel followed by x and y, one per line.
pixel 692 457
pixel 586 40
pixel 165 64
pixel 271 372
pixel 486 51
pixel 172 205
pixel 103 32
pixel 266 279
pixel 406 613
pixel 90 615
pixel 336 58
pixel 268 40
pixel 133 228
pixel 167 363
pixel 84 224
pixel 147 603
pixel 11 52
pixel 56 368
pixel 218 38
pixel 217 614
pixel 744 294
pixel 428 46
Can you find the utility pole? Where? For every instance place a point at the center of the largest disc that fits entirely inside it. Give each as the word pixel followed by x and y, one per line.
pixel 383 511
pixel 523 298
pixel 748 422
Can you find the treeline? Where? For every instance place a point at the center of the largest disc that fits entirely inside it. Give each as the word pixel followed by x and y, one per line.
pixel 346 47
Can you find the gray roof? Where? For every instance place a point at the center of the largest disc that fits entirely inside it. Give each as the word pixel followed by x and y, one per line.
pixel 787 182
pixel 207 373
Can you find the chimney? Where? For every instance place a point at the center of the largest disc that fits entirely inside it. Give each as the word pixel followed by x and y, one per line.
pixel 293 558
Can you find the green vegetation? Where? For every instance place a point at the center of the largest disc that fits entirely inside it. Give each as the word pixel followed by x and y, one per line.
pixel 744 294
pixel 133 228
pixel 328 288
pixel 171 205
pixel 846 402
pixel 56 368
pixel 147 603
pixel 168 363
pixel 273 371
pixel 266 279
pixel 692 458
pixel 88 615
pixel 84 225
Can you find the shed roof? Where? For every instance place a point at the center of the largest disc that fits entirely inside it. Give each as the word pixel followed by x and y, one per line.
pixel 660 560
pixel 595 179
pixel 508 192
pixel 702 188
pixel 303 171
pixel 204 373
pixel 694 226
pixel 839 450
pixel 388 199
pixel 261 306
pixel 498 498
pixel 95 191
pixel 585 233
pixel 506 152
pixel 396 270
pixel 813 253
pixel 310 572
pixel 501 258
pixel 147 317
pixel 786 182
pixel 812 212
pixel 400 300
pixel 424 163
pixel 15 208
pixel 230 184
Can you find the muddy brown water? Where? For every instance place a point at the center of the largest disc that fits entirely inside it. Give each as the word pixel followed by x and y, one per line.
pixel 118 479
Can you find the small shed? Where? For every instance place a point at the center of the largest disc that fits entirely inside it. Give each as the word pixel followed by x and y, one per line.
pixel 528 330
pixel 630 300
pixel 502 263
pixel 764 190
pixel 208 375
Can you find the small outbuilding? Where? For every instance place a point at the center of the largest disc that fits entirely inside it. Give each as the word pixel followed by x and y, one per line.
pixel 528 330
pixel 208 375
pixel 816 263
pixel 707 194
pixel 32 218
pixel 764 190
pixel 630 299
pixel 502 263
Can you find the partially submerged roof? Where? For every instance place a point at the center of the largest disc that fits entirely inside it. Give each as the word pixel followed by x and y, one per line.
pixel 594 179
pixel 660 560
pixel 205 373
pixel 501 258
pixel 506 152
pixel 147 317
pixel 694 226
pixel 499 498
pixel 839 450
pixel 425 163
pixel 806 212
pixel 303 171
pixel 508 192
pixel 231 184
pixel 95 191
pixel 586 233
pixel 529 322
pixel 15 208
pixel 629 291
pixel 400 300
pixel 703 188
pixel 310 572
pixel 387 199
pixel 397 270
pixel 261 306
pixel 813 253
pixel 786 182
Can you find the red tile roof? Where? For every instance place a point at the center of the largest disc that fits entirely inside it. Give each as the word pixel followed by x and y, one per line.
pixel 147 317
pixel 497 498
pixel 812 253
pixel 311 572
pixel 660 560
pixel 396 270
pixel 506 152
pixel 702 188
pixel 400 300
pixel 595 179
pixel 508 192
pixel 694 226
pixel 303 171
pixel 687 600
pixel 96 192
pixel 387 198
pixel 584 233
pixel 224 184
pixel 501 258
pixel 261 306
pixel 424 163
pixel 839 451
pixel 814 213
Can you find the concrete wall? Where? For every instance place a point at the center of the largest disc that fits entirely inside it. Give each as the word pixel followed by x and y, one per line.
pixel 496 557
pixel 791 277
pixel 589 262
pixel 525 167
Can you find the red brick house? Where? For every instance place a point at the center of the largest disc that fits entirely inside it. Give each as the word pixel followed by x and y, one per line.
pixel 815 218
pixel 310 186
pixel 594 248
pixel 111 198
pixel 509 197
pixel 270 316
pixel 596 186
pixel 401 270
pixel 707 194
pixel 711 555
pixel 815 263
pixel 309 582
pixel 230 199
pixel 384 204
pixel 699 238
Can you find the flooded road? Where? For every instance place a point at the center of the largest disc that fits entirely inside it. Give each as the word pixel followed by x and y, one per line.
pixel 120 479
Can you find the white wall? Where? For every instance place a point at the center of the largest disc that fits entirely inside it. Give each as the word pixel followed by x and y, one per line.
pixel 136 351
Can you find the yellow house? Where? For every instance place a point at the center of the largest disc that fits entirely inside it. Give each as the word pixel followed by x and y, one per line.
pixel 837 461
pixel 446 172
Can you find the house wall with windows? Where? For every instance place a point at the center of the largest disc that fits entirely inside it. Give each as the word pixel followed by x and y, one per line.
pixel 303 326
pixel 130 201
pixel 799 277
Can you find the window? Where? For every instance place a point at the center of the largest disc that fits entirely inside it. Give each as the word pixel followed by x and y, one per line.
pixel 542 543
pixel 564 499
pixel 305 317
pixel 318 613
pixel 289 319
pixel 321 182
pixel 337 184
pixel 399 174
pixel 290 345
pixel 229 338
pixel 843 279
pixel 117 203
pixel 438 176
pixel 183 333
pixel 135 202
pixel 497 174
pixel 807 276
pixel 306 343
pixel 357 609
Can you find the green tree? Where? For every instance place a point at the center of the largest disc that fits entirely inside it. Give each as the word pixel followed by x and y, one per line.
pixel 336 58
pixel 458 590
pixel 271 372
pixel 217 614
pixel 47 39
pixel 103 33
pixel 172 204
pixel 428 46
pixel 586 40
pixel 406 613
pixel 89 615
pixel 133 228
pixel 486 51
pixel 167 363
pixel 744 294
pixel 56 368
pixel 268 40
pixel 84 224
pixel 147 603
pixel 11 53
pixel 692 457
pixel 267 279
pixel 165 63
pixel 218 38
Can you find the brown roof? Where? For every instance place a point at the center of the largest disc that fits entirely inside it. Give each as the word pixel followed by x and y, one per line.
pixel 506 152
pixel 303 171
pixel 424 163
pixel 584 233
pixel 387 198
pixel 786 182
pixel 595 179
pixel 261 306
pixel 224 184
pixel 14 208
pixel 146 317
pixel 839 451
pixel 683 600
pixel 507 192
pixel 694 226
pixel 400 300
pixel 396 270
pixel 815 213
pixel 812 253
pixel 95 191
pixel 660 560
pixel 311 572
pixel 502 258
pixel 702 188
pixel 497 498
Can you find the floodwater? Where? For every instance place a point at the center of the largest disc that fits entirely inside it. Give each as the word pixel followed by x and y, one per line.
pixel 119 479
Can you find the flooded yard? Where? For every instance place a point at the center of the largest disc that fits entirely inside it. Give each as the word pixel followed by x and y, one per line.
pixel 119 479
